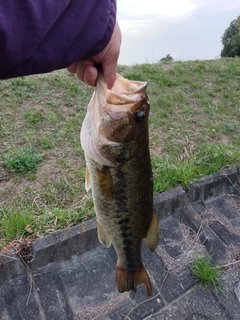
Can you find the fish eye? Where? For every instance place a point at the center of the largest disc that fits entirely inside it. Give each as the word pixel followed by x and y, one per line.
pixel 139 116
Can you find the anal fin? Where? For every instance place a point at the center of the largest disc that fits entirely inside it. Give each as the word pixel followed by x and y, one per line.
pixel 153 235
pixel 102 236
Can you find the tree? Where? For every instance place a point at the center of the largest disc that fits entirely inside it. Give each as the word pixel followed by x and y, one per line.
pixel 231 40
pixel 167 58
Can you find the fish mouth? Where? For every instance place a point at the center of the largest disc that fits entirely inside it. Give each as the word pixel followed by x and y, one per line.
pixel 124 97
pixel 126 91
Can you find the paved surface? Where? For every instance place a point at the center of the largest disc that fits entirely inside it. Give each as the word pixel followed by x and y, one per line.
pixel 69 275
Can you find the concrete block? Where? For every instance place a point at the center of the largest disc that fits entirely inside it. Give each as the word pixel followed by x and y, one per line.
pixel 10 267
pixel 64 244
pixel 18 301
pixel 198 303
pixel 53 297
pixel 227 237
pixel 167 202
pixel 212 186
pixel 214 246
pixel 227 297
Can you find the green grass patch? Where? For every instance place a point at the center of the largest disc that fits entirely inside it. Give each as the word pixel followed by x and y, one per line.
pixel 169 172
pixel 22 161
pixel 45 142
pixel 208 275
pixel 34 117
pixel 16 224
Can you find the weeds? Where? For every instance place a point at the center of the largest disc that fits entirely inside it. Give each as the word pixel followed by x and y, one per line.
pixel 207 274
pixel 16 224
pixel 34 117
pixel 45 142
pixel 23 161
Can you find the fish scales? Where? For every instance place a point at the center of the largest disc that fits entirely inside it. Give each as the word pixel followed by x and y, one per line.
pixel 121 209
pixel 114 138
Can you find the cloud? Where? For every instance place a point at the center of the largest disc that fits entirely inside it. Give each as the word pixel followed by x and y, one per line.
pixel 142 9
pixel 153 28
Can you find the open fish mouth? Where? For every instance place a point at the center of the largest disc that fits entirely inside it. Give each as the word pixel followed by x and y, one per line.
pixel 123 98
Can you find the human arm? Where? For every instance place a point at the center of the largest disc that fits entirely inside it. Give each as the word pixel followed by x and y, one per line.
pixel 42 36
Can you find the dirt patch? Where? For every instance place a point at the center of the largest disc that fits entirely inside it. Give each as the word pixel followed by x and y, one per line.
pixel 225 140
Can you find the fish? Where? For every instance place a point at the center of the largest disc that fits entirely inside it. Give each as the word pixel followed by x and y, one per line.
pixel 115 141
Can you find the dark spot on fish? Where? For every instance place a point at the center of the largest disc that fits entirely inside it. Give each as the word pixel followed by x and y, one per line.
pixel 122 157
pixel 124 227
pixel 139 116
pixel 125 231
pixel 120 196
pixel 131 263
pixel 124 221
pixel 124 234
pixel 127 242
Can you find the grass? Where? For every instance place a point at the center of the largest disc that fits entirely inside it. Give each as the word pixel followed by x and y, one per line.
pixel 17 224
pixel 23 161
pixel 169 171
pixel 194 129
pixel 208 275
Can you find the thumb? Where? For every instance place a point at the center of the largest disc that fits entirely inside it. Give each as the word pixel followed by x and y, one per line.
pixel 109 72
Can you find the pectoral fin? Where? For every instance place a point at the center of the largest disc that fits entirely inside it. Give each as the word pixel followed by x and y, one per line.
pixel 102 236
pixel 87 180
pixel 153 236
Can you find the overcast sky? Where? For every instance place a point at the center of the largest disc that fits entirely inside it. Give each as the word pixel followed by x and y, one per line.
pixel 186 29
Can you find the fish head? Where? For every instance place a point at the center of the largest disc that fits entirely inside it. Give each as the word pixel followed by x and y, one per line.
pixel 123 110
pixel 116 123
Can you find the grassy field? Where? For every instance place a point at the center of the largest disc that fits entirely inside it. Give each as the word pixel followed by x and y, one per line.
pixel 194 131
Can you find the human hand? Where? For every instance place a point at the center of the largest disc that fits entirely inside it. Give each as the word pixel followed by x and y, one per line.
pixel 108 58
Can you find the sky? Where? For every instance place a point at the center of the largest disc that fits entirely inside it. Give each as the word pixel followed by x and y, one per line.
pixel 185 29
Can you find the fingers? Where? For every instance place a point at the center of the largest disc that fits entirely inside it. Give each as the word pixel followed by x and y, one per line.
pixel 109 72
pixel 108 58
pixel 90 76
pixel 85 71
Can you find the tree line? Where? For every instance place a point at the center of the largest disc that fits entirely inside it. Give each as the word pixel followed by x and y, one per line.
pixel 231 40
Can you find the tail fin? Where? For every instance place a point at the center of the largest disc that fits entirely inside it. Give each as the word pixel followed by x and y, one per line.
pixel 127 280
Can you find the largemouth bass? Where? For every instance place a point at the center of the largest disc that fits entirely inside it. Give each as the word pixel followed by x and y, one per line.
pixel 114 137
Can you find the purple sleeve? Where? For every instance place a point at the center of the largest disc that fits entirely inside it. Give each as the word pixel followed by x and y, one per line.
pixel 38 36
